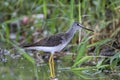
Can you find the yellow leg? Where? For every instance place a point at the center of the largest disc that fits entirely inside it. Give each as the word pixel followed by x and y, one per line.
pixel 51 74
pixel 51 65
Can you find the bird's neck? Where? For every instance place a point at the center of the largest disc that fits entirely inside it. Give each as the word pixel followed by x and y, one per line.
pixel 71 31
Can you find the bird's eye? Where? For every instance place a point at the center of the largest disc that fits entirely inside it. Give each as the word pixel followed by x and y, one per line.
pixel 78 24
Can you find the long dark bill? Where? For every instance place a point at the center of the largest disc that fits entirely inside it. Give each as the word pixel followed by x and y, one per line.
pixel 86 28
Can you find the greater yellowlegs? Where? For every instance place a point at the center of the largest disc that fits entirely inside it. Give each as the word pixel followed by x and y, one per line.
pixel 56 43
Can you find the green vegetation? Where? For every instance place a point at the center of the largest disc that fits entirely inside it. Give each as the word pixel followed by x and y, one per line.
pixel 94 54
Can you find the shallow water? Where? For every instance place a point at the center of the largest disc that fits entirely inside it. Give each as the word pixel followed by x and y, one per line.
pixel 19 68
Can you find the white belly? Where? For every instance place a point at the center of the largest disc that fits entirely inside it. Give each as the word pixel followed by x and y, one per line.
pixel 48 49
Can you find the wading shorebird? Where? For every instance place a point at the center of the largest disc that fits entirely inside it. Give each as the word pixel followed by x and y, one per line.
pixel 56 43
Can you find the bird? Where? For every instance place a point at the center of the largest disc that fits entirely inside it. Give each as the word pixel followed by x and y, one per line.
pixel 56 43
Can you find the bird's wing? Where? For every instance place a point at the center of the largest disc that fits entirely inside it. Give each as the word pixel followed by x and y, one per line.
pixel 49 41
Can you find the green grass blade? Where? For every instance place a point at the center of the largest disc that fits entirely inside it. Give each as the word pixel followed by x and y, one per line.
pixel 79 10
pixel 80 61
pixel 71 10
pixel 23 53
pixel 83 68
pixel 44 8
pixel 115 59
pixel 100 42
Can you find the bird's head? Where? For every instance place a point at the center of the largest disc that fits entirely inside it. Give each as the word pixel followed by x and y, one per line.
pixel 77 26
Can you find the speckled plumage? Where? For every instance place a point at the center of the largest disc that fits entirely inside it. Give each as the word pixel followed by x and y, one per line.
pixel 50 41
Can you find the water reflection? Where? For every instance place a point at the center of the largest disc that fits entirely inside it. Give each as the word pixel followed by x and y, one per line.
pixel 17 68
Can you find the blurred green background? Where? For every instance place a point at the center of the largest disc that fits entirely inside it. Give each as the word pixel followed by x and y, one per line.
pixel 92 55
